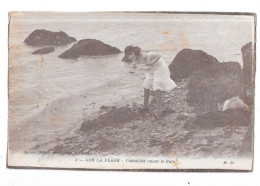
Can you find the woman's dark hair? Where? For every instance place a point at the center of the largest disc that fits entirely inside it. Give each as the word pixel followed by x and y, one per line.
pixel 136 50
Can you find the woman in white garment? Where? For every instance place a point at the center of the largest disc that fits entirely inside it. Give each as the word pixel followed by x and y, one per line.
pixel 157 77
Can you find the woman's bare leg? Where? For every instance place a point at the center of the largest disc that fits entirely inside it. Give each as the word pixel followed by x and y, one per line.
pixel 146 98
pixel 158 97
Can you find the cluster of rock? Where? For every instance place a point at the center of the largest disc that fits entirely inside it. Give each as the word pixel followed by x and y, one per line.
pixel 211 82
pixel 43 38
pixel 215 84
pixel 87 47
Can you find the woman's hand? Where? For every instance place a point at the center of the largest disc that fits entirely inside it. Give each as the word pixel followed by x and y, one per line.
pixel 133 66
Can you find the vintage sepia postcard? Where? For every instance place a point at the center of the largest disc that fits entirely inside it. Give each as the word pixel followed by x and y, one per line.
pixel 131 90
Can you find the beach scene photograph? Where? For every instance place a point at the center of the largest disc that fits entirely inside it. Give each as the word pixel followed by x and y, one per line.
pixel 131 90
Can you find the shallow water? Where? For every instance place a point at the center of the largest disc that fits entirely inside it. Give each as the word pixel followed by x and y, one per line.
pixel 39 84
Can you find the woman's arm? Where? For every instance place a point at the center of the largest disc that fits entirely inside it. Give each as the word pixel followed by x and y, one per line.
pixel 153 59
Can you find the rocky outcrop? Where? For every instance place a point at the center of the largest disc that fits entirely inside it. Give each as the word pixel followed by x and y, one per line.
pixel 188 61
pixel 248 66
pixel 45 50
pixel 249 73
pixel 43 37
pixel 89 47
pixel 214 84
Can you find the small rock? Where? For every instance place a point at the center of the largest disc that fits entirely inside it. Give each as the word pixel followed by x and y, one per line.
pixel 45 50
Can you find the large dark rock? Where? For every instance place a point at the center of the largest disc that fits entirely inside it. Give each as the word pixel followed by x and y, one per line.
pixel 43 37
pixel 214 84
pixel 45 50
pixel 248 65
pixel 248 72
pixel 188 61
pixel 89 47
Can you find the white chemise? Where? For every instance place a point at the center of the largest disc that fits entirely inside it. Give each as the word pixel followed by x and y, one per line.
pixel 158 78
